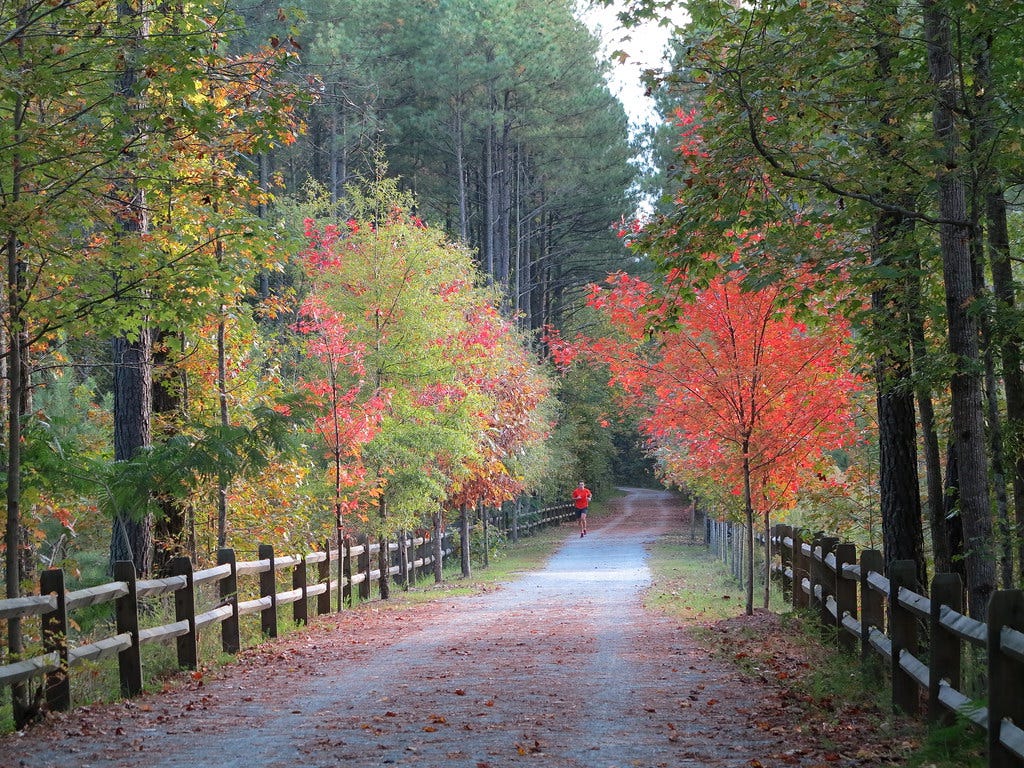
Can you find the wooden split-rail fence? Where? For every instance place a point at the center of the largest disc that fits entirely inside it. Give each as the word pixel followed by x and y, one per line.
pixel 223 594
pixel 884 615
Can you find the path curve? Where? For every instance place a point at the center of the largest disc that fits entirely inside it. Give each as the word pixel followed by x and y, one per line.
pixel 562 669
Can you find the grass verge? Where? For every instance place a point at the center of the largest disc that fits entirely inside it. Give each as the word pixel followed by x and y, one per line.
pixel 793 651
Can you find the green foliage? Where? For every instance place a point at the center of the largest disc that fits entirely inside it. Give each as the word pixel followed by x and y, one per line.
pixel 582 436
pixel 184 463
pixel 961 745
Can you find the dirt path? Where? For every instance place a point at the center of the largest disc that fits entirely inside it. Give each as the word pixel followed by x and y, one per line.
pixel 562 669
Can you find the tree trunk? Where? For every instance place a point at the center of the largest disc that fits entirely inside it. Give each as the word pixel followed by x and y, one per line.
pixel 225 421
pixel 899 490
pixel 748 526
pixel 172 535
pixel 504 234
pixel 438 546
pixel 1013 379
pixel 954 529
pixel 930 439
pixel 943 558
pixel 489 203
pixel 966 385
pixel 900 499
pixel 460 170
pixel 767 560
pixel 994 202
pixel 132 534
pixel 23 705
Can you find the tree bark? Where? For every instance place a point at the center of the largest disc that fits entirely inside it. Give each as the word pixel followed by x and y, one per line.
pixel 1010 352
pixel 900 498
pixel 172 535
pixel 967 407
pixel 748 509
pixel 891 301
pixel 998 242
pixel 131 536
pixel 464 542
pixel 383 554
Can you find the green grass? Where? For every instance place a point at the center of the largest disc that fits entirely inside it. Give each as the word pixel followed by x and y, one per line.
pixel 690 583
pixel 961 745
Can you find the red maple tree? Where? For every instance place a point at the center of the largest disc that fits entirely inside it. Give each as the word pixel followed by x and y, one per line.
pixel 734 385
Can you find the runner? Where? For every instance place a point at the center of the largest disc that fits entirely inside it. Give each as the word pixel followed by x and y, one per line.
pixel 581 497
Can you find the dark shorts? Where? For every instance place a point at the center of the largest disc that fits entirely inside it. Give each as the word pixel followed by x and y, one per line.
pixel 581 512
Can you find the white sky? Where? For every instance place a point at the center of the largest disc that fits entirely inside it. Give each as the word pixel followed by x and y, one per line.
pixel 644 44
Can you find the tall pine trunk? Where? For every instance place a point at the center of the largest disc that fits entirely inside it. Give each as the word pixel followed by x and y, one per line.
pixel 967 406
pixel 173 534
pixel 899 490
pixel 993 202
pixel 131 536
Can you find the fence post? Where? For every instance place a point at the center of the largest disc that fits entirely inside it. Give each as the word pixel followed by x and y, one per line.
pixel 345 577
pixel 268 588
pixel 55 639
pixel 814 575
pixel 437 542
pixel 365 567
pixel 300 608
pixel 903 631
pixel 786 560
pixel 846 595
pixel 946 650
pixel 484 516
pixel 323 575
pixel 872 603
pixel 126 610
pixel 464 540
pixel 230 637
pixel 827 581
pixel 800 571
pixel 1005 674
pixel 185 610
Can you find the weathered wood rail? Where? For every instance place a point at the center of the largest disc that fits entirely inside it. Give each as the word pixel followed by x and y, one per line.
pixel 883 614
pixel 321 581
pixel 337 572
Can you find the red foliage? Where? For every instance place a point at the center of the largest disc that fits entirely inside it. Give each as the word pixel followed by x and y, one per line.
pixel 734 371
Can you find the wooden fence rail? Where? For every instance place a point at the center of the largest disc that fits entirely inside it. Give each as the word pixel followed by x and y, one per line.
pixel 210 596
pixel 861 601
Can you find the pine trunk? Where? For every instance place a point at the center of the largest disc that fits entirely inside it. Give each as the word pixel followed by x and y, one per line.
pixel 967 407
